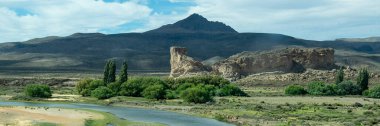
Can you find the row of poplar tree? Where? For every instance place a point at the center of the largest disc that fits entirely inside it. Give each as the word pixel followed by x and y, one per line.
pixel 110 72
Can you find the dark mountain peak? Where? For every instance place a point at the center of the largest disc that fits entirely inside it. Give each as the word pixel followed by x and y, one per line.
pixel 195 23
pixel 195 18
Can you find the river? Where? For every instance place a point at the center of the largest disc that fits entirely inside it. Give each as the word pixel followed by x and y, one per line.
pixel 132 114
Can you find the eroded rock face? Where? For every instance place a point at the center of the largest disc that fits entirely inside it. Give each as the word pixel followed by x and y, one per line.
pixel 289 60
pixel 247 63
pixel 315 58
pixel 181 64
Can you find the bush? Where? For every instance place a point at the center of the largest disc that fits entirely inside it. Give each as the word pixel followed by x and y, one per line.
pixel 347 88
pixel 184 86
pixel 85 86
pixel 171 94
pixel 131 88
pixel 374 92
pixel 154 92
pixel 82 86
pixel 230 90
pixel 196 95
pixel 217 81
pixel 295 90
pixel 320 88
pixel 38 90
pixel 115 87
pixel 95 84
pixel 102 93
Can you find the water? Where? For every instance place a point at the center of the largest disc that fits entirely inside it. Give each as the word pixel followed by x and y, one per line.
pixel 132 114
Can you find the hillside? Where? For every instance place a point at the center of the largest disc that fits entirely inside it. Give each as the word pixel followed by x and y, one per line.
pixel 149 51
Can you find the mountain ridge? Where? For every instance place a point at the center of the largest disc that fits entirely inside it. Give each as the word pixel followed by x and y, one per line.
pixel 149 51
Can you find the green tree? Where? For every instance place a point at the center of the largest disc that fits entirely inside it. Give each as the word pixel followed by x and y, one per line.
pixel 38 90
pixel 362 79
pixel 123 72
pixel 112 71
pixel 106 72
pixel 109 72
pixel 339 76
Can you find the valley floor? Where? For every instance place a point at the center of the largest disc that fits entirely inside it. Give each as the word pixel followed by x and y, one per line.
pixel 266 106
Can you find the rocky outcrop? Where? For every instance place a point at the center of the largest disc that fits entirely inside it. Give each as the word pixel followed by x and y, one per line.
pixel 289 60
pixel 247 63
pixel 315 58
pixel 181 64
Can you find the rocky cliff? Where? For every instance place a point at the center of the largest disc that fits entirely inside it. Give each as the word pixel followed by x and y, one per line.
pixel 289 60
pixel 181 64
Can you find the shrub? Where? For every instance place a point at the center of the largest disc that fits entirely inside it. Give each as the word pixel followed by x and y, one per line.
pixel 171 94
pixel 154 92
pixel 95 84
pixel 102 93
pixel 131 88
pixel 115 87
pixel 38 90
pixel 347 88
pixel 374 92
pixel 230 90
pixel 295 90
pixel 184 86
pixel 196 95
pixel 210 88
pixel 217 81
pixel 82 86
pixel 320 88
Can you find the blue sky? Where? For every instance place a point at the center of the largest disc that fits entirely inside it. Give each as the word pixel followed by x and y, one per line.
pixel 317 20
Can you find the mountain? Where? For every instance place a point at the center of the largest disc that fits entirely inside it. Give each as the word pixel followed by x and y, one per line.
pixel 149 51
pixel 195 23
pixel 369 39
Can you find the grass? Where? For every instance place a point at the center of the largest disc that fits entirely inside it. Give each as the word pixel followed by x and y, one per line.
pixel 45 124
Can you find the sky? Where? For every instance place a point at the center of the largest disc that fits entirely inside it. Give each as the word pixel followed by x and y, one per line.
pixel 22 20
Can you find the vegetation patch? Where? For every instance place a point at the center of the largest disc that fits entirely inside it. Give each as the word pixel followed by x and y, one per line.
pixel 38 90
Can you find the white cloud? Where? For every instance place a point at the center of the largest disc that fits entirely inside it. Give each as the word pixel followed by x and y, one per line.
pixel 46 18
pixel 318 19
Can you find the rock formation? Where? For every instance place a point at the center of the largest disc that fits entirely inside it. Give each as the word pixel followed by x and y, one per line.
pixel 315 58
pixel 289 60
pixel 181 64
pixel 247 63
